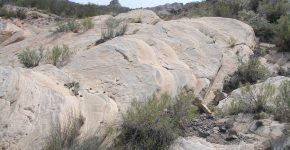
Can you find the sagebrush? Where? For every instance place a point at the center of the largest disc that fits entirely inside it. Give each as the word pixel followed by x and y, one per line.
pixel 113 28
pixel 250 72
pixel 59 55
pixel 87 23
pixel 155 124
pixel 31 57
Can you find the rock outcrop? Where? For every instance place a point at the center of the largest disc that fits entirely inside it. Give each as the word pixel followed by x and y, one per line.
pixel 115 3
pixel 153 56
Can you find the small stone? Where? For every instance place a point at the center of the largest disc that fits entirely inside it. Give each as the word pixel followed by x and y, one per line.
pixel 215 130
pixel 222 129
pixel 203 133
pixel 231 138
pixel 232 132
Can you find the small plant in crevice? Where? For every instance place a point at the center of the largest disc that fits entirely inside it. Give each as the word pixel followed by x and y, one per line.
pixel 31 57
pixel 232 42
pixel 156 123
pixel 74 86
pixel 250 72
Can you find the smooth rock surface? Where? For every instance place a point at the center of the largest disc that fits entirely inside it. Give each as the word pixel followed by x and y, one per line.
pixel 159 56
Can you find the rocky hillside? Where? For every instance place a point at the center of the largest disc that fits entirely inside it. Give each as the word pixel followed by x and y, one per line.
pixel 104 75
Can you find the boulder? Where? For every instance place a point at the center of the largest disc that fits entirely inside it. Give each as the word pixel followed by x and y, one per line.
pixel 281 143
pixel 195 143
pixel 275 81
pixel 159 57
pixel 139 16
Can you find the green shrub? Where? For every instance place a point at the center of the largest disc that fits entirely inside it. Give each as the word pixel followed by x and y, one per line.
pixel 156 123
pixel 7 14
pixel 70 25
pixel 263 29
pixel 250 72
pixel 227 8
pixel 282 103
pixel 251 99
pixel 59 56
pixel 88 23
pixel 19 13
pixel 113 28
pixel 282 39
pixel 31 57
pixel 273 9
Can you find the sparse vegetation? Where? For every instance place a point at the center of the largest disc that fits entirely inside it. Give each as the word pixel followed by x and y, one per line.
pixel 252 99
pixel 262 100
pixel 113 28
pixel 88 23
pixel 75 86
pixel 263 29
pixel 31 57
pixel 59 56
pixel 273 9
pixel 155 123
pixel 250 72
pixel 232 42
pixel 69 25
pixel 19 13
pixel 227 8
pixel 64 136
pixel 67 8
pixel 282 39
pixel 260 52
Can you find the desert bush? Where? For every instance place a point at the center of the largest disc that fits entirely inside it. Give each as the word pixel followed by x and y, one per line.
pixel 31 57
pixel 64 136
pixel 273 9
pixel 113 28
pixel 252 99
pixel 250 72
pixel 19 13
pixel 281 110
pixel 88 23
pixel 282 39
pixel 7 14
pixel 263 29
pixel 70 25
pixel 227 8
pixel 156 123
pixel 59 56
